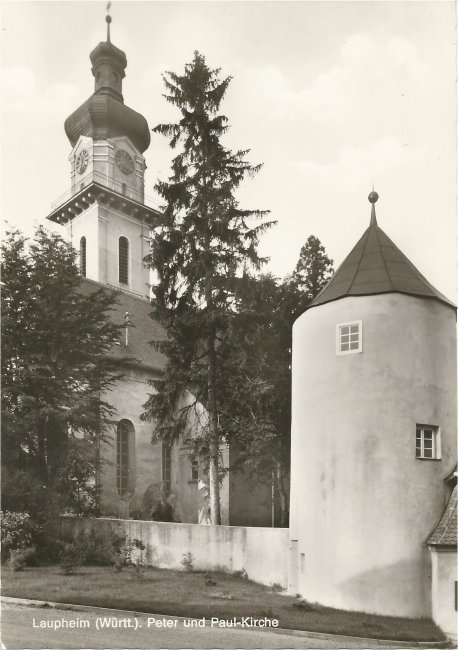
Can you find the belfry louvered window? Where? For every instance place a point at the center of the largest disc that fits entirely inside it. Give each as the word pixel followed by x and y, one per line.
pixel 83 256
pixel 123 260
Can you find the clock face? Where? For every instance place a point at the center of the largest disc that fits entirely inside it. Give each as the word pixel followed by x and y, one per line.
pixel 124 161
pixel 82 161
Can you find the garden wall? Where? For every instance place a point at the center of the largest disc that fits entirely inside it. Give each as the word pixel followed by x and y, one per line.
pixel 262 552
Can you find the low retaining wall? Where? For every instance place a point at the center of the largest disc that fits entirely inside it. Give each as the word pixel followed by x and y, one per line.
pixel 262 552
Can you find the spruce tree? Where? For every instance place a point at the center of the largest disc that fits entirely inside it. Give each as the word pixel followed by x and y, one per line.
pixel 199 250
pixel 313 269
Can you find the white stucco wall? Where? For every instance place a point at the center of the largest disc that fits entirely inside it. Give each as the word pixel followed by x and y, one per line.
pixel 362 505
pixel 128 396
pixel 87 225
pixel 189 502
pixel 214 548
pixel 444 576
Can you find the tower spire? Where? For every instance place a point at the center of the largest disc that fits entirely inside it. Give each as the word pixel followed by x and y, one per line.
pixel 108 21
pixel 373 198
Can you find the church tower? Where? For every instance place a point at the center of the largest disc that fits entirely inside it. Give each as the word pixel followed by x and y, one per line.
pixel 373 432
pixel 105 214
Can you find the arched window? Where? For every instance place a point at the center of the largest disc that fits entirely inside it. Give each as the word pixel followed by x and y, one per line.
pixel 83 256
pixel 125 457
pixel 123 260
pixel 166 468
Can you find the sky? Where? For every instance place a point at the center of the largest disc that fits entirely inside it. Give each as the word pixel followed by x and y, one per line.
pixel 332 97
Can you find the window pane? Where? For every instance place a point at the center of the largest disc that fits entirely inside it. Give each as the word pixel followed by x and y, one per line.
pixel 345 330
pixel 345 338
pixel 344 347
pixel 428 453
pixel 123 435
pixel 166 468
pixel 354 329
pixel 354 346
pixel 83 256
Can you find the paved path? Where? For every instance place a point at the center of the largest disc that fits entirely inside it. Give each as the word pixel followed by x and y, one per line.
pixel 21 630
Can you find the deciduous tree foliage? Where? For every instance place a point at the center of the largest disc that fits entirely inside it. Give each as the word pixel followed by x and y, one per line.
pixel 55 365
pixel 204 241
pixel 262 337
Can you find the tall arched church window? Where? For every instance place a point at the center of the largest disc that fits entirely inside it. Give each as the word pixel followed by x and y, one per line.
pixel 125 458
pixel 166 468
pixel 123 260
pixel 83 256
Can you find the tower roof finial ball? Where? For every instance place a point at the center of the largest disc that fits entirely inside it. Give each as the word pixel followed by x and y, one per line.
pixel 373 197
pixel 108 19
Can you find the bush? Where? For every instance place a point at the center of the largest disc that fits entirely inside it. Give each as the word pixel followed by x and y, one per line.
pixel 188 561
pixel 71 556
pixel 18 532
pixel 19 558
pixel 124 556
pixel 100 546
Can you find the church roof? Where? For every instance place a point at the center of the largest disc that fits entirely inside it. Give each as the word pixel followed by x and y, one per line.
pixel 376 265
pixel 445 533
pixel 104 114
pixel 143 330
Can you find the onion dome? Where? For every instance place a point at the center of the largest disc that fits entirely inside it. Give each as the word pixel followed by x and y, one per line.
pixel 104 114
pixel 374 266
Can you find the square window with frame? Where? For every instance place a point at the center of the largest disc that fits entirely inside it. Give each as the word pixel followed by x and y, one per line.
pixel 349 337
pixel 427 442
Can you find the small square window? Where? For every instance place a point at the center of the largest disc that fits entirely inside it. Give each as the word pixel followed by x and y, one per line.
pixel 427 442
pixel 349 337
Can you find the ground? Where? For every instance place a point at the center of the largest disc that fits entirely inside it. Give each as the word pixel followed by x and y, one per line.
pixel 18 631
pixel 197 595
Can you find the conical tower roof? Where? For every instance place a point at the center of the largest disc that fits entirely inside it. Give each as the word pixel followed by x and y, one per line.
pixel 376 265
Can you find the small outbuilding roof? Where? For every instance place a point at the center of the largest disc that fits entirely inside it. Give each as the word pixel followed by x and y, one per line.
pixel 376 265
pixel 445 533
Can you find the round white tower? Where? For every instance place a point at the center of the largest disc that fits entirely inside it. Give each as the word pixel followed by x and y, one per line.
pixel 373 432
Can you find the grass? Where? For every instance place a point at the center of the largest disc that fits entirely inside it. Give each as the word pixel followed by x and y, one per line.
pixel 179 593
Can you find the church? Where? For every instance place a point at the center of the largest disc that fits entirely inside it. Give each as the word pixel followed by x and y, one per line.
pixel 373 458
pixel 109 224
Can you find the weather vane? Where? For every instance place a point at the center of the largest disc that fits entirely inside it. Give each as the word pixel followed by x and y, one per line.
pixel 108 19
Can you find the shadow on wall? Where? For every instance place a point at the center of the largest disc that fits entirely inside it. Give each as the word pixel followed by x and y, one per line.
pixel 401 589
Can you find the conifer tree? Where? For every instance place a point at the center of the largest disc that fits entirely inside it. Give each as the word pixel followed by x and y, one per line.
pixel 313 269
pixel 204 241
pixel 55 361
